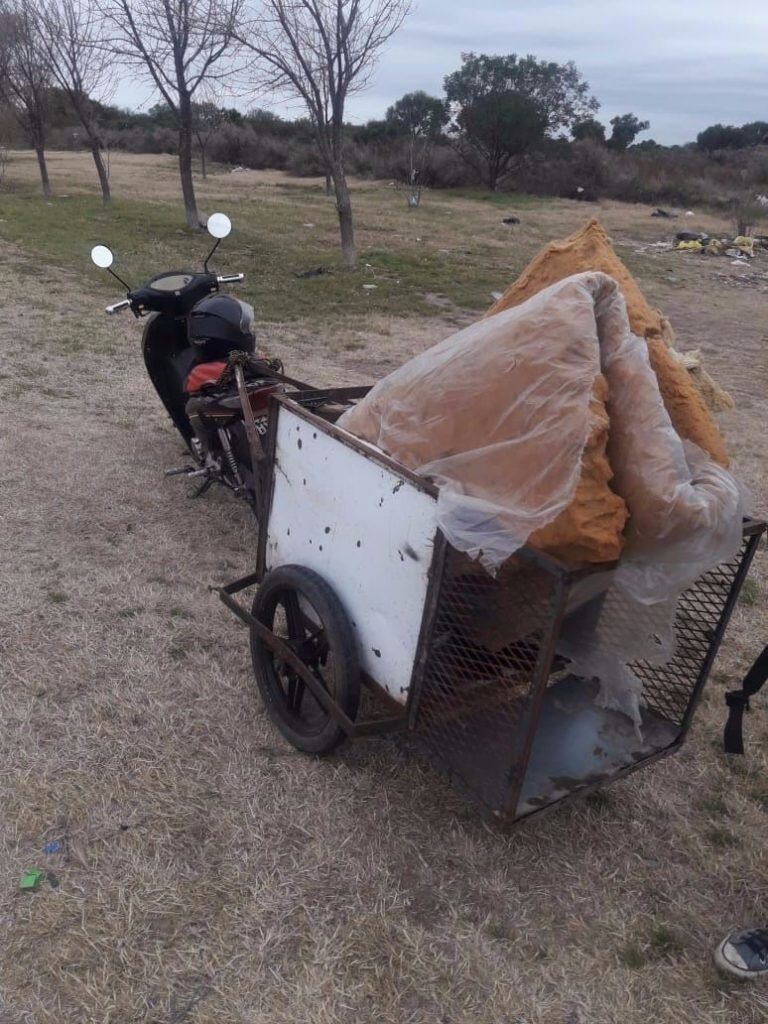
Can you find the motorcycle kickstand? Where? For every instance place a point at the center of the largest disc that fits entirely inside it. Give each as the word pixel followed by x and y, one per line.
pixel 200 491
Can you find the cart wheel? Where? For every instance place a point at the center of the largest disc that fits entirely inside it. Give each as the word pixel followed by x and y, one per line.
pixel 302 610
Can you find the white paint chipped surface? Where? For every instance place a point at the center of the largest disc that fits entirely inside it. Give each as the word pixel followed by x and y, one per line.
pixel 368 532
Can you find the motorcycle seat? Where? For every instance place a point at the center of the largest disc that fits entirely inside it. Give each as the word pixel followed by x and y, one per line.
pixel 202 374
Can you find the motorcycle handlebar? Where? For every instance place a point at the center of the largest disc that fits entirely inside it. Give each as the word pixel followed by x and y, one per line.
pixel 117 307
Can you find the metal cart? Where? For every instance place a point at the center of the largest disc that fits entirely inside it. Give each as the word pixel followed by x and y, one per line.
pixel 366 621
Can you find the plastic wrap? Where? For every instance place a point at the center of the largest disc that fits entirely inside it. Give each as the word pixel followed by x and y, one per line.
pixel 502 417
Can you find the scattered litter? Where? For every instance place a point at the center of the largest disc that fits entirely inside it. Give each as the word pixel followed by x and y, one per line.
pixel 496 296
pixel 511 220
pixel 658 212
pixel 693 246
pixel 307 225
pixel 692 236
pixel 579 188
pixel 369 287
pixel 53 880
pixel 31 879
pixel 762 200
pixel 740 262
pixel 52 847
pixel 746 244
pixel 716 247
pixel 236 170
pixel 689 213
pixel 316 272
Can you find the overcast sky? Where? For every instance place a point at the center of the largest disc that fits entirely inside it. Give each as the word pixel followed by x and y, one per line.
pixel 680 64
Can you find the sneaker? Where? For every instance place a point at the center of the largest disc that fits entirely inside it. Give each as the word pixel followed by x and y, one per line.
pixel 744 954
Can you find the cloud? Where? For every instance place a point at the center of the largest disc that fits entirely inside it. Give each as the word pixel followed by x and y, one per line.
pixel 681 64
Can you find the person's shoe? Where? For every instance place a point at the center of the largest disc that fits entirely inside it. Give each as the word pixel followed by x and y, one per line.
pixel 744 954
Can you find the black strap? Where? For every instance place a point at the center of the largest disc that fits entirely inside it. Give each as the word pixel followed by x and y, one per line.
pixel 738 703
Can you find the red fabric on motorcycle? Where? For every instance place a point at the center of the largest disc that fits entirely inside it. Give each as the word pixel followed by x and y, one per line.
pixel 202 374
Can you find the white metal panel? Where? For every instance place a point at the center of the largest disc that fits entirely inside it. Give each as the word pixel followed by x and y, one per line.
pixel 368 532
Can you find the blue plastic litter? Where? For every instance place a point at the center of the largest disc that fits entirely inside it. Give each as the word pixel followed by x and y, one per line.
pixel 53 847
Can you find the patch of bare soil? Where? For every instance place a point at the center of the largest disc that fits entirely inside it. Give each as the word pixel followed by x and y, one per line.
pixel 210 873
pixel 129 173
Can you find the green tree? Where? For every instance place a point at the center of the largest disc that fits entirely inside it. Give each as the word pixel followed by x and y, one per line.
pixel 420 119
pixel 626 128
pixel 495 129
pixel 560 93
pixel 418 114
pixel 756 133
pixel 588 128
pixel 721 136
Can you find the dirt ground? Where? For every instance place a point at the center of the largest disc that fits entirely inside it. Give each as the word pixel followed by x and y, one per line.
pixel 210 874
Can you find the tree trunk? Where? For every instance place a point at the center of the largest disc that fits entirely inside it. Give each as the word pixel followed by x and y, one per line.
pixel 344 209
pixel 202 162
pixel 101 170
pixel 40 150
pixel 185 162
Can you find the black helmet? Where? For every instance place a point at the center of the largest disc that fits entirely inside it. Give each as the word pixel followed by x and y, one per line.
pixel 219 325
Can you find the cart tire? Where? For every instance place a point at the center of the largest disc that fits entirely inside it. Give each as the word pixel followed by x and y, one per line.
pixel 330 652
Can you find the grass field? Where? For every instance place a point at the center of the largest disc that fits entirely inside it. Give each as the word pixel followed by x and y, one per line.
pixel 208 873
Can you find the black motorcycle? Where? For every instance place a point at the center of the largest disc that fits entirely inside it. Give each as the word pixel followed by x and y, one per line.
pixel 200 352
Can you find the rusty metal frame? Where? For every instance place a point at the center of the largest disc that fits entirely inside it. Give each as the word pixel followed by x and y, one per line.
pixel 353 729
pixel 301 405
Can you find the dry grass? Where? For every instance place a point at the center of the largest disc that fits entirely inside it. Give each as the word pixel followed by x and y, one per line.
pixel 211 875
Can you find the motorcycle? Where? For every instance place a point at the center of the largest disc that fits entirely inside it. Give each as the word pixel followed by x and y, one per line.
pixel 199 350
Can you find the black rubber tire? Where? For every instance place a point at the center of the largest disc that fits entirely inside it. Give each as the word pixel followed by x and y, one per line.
pixel 322 735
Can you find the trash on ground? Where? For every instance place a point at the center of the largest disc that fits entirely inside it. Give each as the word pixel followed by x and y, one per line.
pixel 31 879
pixel 659 212
pixel 511 220
pixel 746 244
pixel 315 272
pixel 53 847
pixel 689 213
pixel 369 287
pixel 692 236
pixel 693 246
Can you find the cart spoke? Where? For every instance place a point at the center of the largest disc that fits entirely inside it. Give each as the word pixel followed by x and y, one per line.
pixel 293 616
pixel 296 690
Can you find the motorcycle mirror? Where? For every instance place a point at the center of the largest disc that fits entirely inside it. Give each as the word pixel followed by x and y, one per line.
pixel 219 225
pixel 102 256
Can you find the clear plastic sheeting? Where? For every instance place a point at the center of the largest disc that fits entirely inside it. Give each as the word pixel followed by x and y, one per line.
pixel 505 417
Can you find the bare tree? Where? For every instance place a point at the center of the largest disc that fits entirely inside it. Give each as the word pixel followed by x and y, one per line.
pixel 180 45
pixel 25 81
pixel 207 117
pixel 72 44
pixel 323 51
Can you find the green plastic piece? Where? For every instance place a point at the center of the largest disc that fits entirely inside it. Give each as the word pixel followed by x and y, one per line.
pixel 31 879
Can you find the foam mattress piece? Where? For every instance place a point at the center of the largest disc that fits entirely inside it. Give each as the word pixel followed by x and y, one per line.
pixel 590 248
pixel 508 417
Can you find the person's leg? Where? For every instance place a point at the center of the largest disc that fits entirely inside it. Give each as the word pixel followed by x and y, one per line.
pixel 744 954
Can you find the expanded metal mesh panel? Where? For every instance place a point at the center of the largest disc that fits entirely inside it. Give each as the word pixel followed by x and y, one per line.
pixel 481 670
pixel 489 654
pixel 668 689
